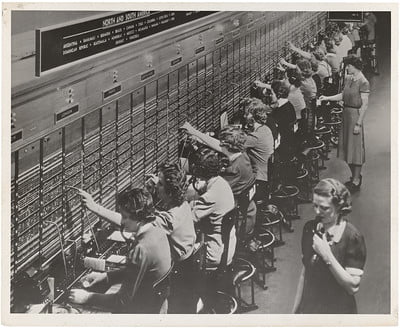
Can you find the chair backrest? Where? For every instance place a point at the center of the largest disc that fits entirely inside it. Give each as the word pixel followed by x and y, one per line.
pixel 244 199
pixel 228 222
pixel 161 291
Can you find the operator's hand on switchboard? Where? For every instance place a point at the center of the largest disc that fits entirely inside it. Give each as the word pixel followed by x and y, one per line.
pixel 188 128
pixel 79 296
pixel 280 67
pixel 151 182
pixel 87 200
pixel 282 61
pixel 258 84
pixel 93 278
pixel 290 45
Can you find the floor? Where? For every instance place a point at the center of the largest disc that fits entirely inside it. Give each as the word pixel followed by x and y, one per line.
pixel 371 212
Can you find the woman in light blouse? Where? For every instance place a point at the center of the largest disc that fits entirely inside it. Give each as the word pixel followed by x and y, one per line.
pixel 355 95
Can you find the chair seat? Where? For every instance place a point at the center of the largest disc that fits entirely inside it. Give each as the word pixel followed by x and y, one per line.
pixel 301 173
pixel 314 143
pixel 242 270
pixel 315 156
pixel 285 192
pixel 322 130
pixel 223 304
pixel 318 145
pixel 338 122
pixel 267 239
pixel 337 111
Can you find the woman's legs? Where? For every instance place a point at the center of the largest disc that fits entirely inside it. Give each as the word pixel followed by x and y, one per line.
pixel 357 174
pixel 351 167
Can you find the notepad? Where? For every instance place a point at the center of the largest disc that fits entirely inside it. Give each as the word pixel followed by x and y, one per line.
pixel 116 259
pixel 117 236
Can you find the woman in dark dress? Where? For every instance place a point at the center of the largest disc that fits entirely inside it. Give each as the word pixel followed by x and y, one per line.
pixel 334 254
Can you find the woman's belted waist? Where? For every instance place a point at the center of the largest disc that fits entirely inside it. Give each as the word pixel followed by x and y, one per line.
pixel 209 229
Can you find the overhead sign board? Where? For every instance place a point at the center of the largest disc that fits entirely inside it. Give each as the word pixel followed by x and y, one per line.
pixel 345 16
pixel 67 43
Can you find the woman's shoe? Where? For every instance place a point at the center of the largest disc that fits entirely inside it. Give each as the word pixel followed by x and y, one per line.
pixel 355 187
pixel 349 183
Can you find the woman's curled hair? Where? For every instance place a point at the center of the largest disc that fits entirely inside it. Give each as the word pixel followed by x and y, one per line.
pixel 175 182
pixel 259 111
pixel 319 54
pixel 207 163
pixel 138 202
pixel 339 194
pixel 233 138
pixel 280 88
pixel 354 61
pixel 294 77
pixel 305 67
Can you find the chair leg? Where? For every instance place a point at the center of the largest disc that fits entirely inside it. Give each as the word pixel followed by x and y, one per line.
pixel 243 305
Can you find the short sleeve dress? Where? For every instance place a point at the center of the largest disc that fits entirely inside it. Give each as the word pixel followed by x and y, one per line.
pixel 351 147
pixel 322 293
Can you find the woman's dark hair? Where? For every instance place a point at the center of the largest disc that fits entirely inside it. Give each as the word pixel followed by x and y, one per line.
pixel 175 182
pixel 281 90
pixel 314 65
pixel 305 67
pixel 354 61
pixel 330 46
pixel 319 54
pixel 257 109
pixel 208 163
pixel 233 138
pixel 331 29
pixel 294 77
pixel 138 203
pixel 339 194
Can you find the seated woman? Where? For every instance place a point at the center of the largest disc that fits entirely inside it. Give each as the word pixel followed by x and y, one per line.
pixel 331 57
pixel 259 144
pixel 148 261
pixel 285 116
pixel 214 202
pixel 296 98
pixel 176 218
pixel 239 174
pixel 210 209
pixel 334 254
pixel 308 86
pixel 323 69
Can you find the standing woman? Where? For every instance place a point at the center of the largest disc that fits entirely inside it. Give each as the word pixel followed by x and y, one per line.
pixel 355 94
pixel 334 254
